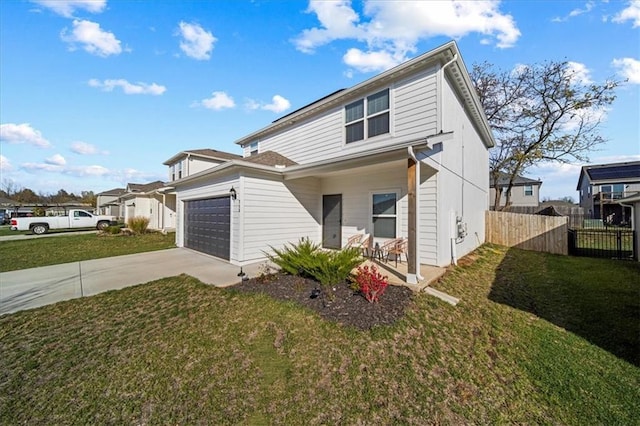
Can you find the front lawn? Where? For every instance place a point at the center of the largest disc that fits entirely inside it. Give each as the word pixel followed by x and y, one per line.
pixel 526 344
pixel 31 253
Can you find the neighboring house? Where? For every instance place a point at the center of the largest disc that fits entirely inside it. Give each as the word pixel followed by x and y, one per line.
pixel 187 163
pixel 525 192
pixel 149 200
pixel 108 203
pixel 633 202
pixel 602 186
pixel 403 154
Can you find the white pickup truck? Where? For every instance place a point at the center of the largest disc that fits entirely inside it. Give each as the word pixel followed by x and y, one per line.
pixel 75 219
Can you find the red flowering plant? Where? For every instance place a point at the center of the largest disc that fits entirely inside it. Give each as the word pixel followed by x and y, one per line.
pixel 370 282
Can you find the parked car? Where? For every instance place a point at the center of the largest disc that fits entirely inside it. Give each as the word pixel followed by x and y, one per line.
pixel 75 219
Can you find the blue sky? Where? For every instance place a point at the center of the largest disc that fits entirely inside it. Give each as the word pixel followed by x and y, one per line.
pixel 96 94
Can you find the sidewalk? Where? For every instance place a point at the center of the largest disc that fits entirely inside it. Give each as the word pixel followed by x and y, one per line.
pixel 31 288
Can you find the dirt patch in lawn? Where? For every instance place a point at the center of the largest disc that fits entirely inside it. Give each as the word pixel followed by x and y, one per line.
pixel 345 306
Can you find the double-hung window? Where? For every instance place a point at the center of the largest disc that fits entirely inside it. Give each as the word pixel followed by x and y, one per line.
pixel 367 117
pixel 253 148
pixel 179 169
pixel 528 190
pixel 384 215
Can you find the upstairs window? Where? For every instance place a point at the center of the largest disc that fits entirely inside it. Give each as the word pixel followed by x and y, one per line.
pixel 360 126
pixel 528 190
pixel 253 148
pixel 179 170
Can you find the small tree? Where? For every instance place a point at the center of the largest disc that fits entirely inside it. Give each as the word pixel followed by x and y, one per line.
pixel 540 113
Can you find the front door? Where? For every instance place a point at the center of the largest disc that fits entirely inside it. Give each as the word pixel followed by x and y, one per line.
pixel 332 221
pixel 82 219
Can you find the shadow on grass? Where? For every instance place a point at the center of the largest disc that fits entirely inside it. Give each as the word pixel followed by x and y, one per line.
pixel 596 299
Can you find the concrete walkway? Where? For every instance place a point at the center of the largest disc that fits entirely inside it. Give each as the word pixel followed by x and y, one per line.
pixel 31 288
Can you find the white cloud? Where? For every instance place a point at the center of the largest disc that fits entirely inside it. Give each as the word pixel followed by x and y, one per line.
pixel 67 8
pixel 629 68
pixel 278 104
pixel 22 133
pixel 197 43
pixel 217 102
pixel 76 171
pixel 138 88
pixel 84 148
pixel 371 61
pixel 579 73
pixel 56 160
pixel 92 38
pixel 395 27
pixel 5 164
pixel 630 13
pixel 576 12
pixel 338 21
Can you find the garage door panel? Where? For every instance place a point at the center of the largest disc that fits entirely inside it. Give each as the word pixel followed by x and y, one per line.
pixel 208 226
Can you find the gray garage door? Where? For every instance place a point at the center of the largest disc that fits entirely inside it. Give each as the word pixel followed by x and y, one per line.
pixel 207 226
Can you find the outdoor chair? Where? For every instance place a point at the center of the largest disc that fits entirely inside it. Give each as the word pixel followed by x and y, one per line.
pixel 385 247
pixel 364 244
pixel 354 240
pixel 398 250
pixel 396 247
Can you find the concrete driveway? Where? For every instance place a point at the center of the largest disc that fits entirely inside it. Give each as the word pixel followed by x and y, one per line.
pixel 31 288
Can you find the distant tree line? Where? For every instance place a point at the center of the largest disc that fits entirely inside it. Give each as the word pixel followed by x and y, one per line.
pixel 15 192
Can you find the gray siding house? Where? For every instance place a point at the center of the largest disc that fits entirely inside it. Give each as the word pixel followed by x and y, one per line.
pixel 602 186
pixel 403 154
pixel 525 192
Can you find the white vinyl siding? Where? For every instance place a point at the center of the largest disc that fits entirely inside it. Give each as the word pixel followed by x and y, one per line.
pixel 412 106
pixel 415 102
pixel 277 212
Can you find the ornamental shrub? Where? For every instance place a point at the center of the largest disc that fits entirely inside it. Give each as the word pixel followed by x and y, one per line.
pixel 306 259
pixel 296 259
pixel 138 224
pixel 371 283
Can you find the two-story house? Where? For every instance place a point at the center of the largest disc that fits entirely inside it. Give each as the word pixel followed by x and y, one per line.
pixel 602 186
pixel 148 200
pixel 108 202
pixel 525 192
pixel 403 154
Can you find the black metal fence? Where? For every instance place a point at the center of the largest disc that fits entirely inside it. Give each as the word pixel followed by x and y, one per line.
pixel 606 242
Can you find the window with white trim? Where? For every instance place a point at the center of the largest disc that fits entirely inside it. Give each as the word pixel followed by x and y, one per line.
pixel 367 117
pixel 253 148
pixel 528 190
pixel 384 214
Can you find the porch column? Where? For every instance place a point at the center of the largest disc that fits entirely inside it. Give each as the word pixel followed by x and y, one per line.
pixel 412 276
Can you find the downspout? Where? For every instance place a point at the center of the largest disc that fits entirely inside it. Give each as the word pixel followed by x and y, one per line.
pixel 441 100
pixel 454 257
pixel 416 254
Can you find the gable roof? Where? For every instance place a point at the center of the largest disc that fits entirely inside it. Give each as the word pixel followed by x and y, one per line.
pixel 503 180
pixel 270 158
pixel 210 154
pixel 441 55
pixel 114 191
pixel 628 171
pixel 144 187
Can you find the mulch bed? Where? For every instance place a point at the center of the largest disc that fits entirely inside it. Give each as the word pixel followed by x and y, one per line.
pixel 346 307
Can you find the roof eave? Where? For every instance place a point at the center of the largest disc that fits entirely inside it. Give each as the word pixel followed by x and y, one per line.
pixel 440 54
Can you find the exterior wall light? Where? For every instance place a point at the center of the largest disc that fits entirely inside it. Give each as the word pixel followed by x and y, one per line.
pixel 233 193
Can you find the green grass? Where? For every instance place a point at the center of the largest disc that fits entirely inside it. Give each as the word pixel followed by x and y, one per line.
pixel 31 253
pixel 536 339
pixel 5 230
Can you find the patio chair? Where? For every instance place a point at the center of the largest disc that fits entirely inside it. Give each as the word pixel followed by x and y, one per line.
pixel 383 249
pixel 397 248
pixel 354 240
pixel 365 244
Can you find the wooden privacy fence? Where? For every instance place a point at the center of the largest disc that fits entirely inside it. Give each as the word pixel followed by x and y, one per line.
pixel 529 232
